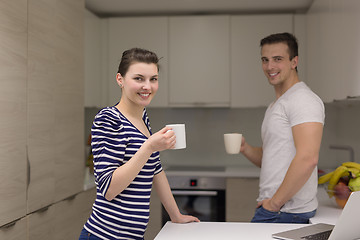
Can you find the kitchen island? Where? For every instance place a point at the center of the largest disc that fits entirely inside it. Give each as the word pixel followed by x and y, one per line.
pixel 222 230
pixel 327 213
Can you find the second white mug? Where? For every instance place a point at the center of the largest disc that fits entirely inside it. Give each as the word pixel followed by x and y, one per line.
pixel 232 142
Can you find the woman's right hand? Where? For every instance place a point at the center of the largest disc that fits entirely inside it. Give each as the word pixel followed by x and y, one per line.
pixel 162 140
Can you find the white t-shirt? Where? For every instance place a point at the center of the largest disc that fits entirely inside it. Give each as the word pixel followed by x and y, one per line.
pixel 297 105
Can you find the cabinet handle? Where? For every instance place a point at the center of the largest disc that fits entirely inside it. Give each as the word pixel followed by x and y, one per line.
pixel 44 209
pixel 9 225
pixel 70 198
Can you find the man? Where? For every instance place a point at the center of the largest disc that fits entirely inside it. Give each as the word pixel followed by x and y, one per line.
pixel 291 133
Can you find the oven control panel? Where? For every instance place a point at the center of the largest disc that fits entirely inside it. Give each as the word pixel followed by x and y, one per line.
pixel 190 182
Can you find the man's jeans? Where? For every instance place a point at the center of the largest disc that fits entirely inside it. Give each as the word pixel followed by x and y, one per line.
pixel 265 216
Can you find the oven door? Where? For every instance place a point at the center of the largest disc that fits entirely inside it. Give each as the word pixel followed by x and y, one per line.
pixel 207 205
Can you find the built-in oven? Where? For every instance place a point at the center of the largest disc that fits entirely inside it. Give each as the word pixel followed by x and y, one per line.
pixel 198 192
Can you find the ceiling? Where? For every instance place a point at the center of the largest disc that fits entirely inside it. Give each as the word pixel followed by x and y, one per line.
pixel 108 8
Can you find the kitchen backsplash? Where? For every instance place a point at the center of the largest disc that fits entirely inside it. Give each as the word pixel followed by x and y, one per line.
pixel 205 128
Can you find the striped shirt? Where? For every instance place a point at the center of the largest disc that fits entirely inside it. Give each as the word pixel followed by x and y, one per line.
pixel 115 140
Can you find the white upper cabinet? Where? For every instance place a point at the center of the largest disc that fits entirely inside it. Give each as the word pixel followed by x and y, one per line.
pixel 333 38
pixel 249 86
pixel 93 60
pixel 143 32
pixel 199 61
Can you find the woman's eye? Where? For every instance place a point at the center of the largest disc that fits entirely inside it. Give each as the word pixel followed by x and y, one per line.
pixel 138 78
pixel 154 79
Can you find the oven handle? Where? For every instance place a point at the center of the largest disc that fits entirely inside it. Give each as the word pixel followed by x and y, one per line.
pixel 194 193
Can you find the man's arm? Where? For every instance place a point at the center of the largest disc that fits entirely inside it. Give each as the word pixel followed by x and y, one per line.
pixel 307 139
pixel 254 154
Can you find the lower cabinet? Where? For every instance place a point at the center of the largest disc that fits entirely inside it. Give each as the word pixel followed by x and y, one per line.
pixel 14 231
pixel 155 221
pixel 59 221
pixel 241 194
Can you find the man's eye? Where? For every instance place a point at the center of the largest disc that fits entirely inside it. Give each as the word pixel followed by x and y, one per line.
pixel 264 60
pixel 278 59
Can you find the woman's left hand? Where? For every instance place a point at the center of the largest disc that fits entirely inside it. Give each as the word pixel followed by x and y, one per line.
pixel 185 219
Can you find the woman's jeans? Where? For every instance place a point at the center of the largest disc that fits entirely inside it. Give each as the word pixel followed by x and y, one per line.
pixel 265 216
pixel 85 235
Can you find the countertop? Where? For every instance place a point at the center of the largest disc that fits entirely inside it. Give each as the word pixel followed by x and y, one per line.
pixel 327 213
pixel 222 230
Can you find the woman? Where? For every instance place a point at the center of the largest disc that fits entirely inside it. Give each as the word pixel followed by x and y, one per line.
pixel 126 156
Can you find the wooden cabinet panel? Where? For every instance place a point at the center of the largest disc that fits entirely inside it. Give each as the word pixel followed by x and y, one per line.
pixel 15 231
pixel 69 98
pixel 72 214
pixel 13 55
pixel 41 112
pixel 155 221
pixel 41 224
pixel 145 32
pixel 241 195
pixel 249 86
pixel 199 55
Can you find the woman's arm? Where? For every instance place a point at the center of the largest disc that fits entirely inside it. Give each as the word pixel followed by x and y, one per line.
pixel 126 173
pixel 162 188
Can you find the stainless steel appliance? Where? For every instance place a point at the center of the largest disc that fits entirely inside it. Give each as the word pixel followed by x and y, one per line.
pixel 198 191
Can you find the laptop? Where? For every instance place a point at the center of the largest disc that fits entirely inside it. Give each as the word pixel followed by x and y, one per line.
pixel 347 226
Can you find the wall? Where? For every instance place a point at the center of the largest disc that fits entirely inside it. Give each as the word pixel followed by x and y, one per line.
pixel 205 128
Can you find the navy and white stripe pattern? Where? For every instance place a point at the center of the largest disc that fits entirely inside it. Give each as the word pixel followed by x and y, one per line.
pixel 114 141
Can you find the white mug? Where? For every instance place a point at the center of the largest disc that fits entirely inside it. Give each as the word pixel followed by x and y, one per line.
pixel 179 130
pixel 232 142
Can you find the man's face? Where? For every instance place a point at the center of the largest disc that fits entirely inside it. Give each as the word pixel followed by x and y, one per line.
pixel 276 63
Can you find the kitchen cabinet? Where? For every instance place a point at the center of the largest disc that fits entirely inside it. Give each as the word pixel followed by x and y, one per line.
pixel 13 56
pixel 40 104
pixel 55 101
pixel 94 60
pixel 199 55
pixel 332 60
pixel 41 98
pixel 241 195
pixel 14 231
pixel 62 220
pixel 249 86
pixel 69 99
pixel 144 32
pixel 155 220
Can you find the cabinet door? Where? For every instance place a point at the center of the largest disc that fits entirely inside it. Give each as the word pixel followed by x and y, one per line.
pixel 72 213
pixel 14 231
pixel 241 195
pixel 199 61
pixel 155 220
pixel 333 59
pixel 41 103
pixel 41 224
pixel 249 86
pixel 93 60
pixel 69 98
pixel 143 32
pixel 13 60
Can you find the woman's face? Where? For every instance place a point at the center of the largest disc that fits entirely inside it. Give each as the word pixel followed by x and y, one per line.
pixel 140 83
